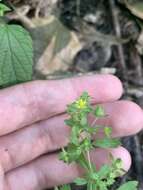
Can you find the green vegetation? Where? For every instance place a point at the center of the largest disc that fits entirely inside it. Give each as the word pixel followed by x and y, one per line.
pixel 16 62
pixel 82 143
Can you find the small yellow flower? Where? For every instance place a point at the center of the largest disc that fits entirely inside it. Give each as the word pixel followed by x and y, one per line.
pixel 81 104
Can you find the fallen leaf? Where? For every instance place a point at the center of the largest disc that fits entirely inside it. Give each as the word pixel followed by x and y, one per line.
pixel 55 45
pixel 136 8
pixel 139 44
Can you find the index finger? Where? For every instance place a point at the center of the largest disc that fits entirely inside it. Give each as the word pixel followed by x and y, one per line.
pixel 27 103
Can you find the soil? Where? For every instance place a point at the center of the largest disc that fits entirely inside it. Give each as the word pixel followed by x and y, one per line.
pixel 110 18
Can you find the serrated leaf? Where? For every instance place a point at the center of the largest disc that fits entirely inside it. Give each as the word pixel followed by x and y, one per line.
pixel 80 181
pixel 16 55
pixel 74 138
pixel 83 162
pixel 83 121
pixel 131 185
pixel 107 143
pixel 65 187
pixel 99 111
pixel 104 171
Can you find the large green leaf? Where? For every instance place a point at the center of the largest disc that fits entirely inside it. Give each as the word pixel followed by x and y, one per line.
pixel 16 55
pixel 3 9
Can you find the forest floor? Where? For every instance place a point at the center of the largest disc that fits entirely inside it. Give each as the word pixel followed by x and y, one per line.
pixel 89 36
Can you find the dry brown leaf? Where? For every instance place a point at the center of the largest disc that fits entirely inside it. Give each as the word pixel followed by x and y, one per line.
pixel 55 45
pixel 136 8
pixel 48 64
pixel 139 45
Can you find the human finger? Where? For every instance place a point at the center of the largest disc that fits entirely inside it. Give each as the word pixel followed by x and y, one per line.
pixel 50 135
pixel 27 103
pixel 48 171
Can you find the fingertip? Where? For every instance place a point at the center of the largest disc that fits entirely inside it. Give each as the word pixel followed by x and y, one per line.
pixel 124 155
pixel 135 117
pixel 127 117
pixel 102 87
pixel 101 157
pixel 115 86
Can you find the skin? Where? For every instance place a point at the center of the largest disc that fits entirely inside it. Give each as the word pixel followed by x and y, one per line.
pixel 32 129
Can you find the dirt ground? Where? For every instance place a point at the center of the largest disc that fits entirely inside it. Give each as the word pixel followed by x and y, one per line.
pixel 100 36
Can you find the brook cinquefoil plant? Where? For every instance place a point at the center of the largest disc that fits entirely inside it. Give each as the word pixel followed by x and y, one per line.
pixel 16 62
pixel 82 143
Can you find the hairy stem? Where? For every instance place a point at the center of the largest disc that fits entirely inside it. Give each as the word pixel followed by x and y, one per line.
pixel 89 160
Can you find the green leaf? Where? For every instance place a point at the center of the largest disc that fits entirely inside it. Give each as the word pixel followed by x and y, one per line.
pixel 74 152
pixel 65 187
pixel 83 162
pixel 86 144
pixel 80 181
pixel 102 185
pixel 92 130
pixel 74 135
pixel 117 163
pixel 64 156
pixel 107 143
pixel 99 111
pixel 3 9
pixel 131 185
pixel 69 122
pixel 83 121
pixel 108 131
pixel 16 55
pixel 104 171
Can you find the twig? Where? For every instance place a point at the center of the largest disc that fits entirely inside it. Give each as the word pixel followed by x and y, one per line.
pixel 37 12
pixel 78 8
pixel 138 63
pixel 118 34
pixel 138 159
pixel 22 16
pixel 89 160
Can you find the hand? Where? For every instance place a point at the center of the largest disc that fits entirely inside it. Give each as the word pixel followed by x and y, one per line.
pixel 32 129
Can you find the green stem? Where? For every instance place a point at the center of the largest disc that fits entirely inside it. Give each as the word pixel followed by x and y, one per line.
pixel 89 160
pixel 94 122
